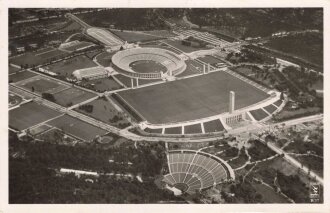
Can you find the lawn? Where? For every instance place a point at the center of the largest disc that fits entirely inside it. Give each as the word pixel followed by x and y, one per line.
pixel 72 96
pixel 158 131
pixel 77 128
pixel 104 58
pixel 213 126
pixel 12 69
pixel 184 48
pixel 30 114
pixel 131 36
pixel 42 85
pixel 67 67
pixel 191 98
pixel 104 111
pixel 270 108
pixel 14 100
pixel 104 84
pixel 174 130
pixel 39 57
pixel 210 59
pixel 192 68
pixel 21 76
pixel 258 114
pixel 193 129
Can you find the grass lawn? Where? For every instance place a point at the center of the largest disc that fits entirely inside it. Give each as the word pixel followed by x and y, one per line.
pixel 174 130
pixel 104 84
pixel 39 57
pixel 213 126
pixel 104 111
pixel 67 67
pixel 193 129
pixel 159 131
pixel 21 76
pixel 131 36
pixel 72 96
pixel 258 114
pixel 42 84
pixel 268 194
pixel 184 48
pixel 30 114
pixel 104 58
pixel 76 127
pixel 192 68
pixel 270 108
pixel 210 59
pixel 147 66
pixel 191 98
pixel 14 100
pixel 12 69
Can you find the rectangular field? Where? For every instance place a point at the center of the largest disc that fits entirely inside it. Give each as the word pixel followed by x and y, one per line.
pixel 42 84
pixel 21 76
pixel 29 115
pixel 191 98
pixel 77 127
pixel 67 67
pixel 72 96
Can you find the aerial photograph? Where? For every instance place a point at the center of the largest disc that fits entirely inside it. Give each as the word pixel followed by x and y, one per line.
pixel 165 106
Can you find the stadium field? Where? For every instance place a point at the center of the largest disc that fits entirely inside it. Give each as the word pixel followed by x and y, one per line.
pixel 42 84
pixel 76 127
pixel 67 67
pixel 147 66
pixel 191 98
pixel 72 96
pixel 30 114
pixel 21 76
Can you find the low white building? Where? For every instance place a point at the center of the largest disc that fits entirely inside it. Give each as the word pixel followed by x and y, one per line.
pixel 92 73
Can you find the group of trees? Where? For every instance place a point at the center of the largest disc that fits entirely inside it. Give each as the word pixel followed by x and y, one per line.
pixel 48 96
pixel 87 108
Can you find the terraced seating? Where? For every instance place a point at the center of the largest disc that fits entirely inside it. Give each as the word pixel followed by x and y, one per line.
pixel 194 170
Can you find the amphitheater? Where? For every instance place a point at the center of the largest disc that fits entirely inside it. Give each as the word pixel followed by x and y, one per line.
pixel 173 63
pixel 191 171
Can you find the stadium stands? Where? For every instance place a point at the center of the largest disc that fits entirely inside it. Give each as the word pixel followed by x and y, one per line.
pixel 123 59
pixel 190 171
pixel 91 73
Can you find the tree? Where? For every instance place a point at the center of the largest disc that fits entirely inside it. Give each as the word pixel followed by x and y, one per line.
pixel 32 89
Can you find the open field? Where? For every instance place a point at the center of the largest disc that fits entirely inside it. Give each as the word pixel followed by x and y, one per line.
pixel 14 100
pixel 210 59
pixel 21 76
pixel 191 98
pixel 12 69
pixel 77 127
pixel 41 84
pixel 72 96
pixel 39 57
pixel 193 129
pixel 184 48
pixel 30 114
pixel 192 68
pixel 147 66
pixel 104 84
pixel 104 111
pixel 67 67
pixel 131 36
pixel 104 59
pixel 258 114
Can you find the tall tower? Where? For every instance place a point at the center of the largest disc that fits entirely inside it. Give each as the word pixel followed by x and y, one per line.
pixel 231 101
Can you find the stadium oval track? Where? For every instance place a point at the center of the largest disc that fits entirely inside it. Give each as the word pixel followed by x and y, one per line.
pixel 173 63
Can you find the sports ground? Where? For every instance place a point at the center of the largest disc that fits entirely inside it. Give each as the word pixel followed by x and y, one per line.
pixel 192 98
pixel 29 115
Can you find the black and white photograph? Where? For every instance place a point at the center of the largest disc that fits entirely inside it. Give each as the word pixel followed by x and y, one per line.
pixel 165 105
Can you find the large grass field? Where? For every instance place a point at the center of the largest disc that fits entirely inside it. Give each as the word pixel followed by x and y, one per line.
pixel 147 66
pixel 42 84
pixel 72 96
pixel 77 127
pixel 191 98
pixel 104 111
pixel 67 67
pixel 39 57
pixel 21 76
pixel 29 115
pixel 131 36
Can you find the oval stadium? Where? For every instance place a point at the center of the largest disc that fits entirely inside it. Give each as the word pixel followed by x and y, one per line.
pixel 159 61
pixel 191 171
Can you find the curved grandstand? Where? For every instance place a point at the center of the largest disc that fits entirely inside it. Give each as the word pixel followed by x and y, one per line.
pixel 173 63
pixel 191 170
